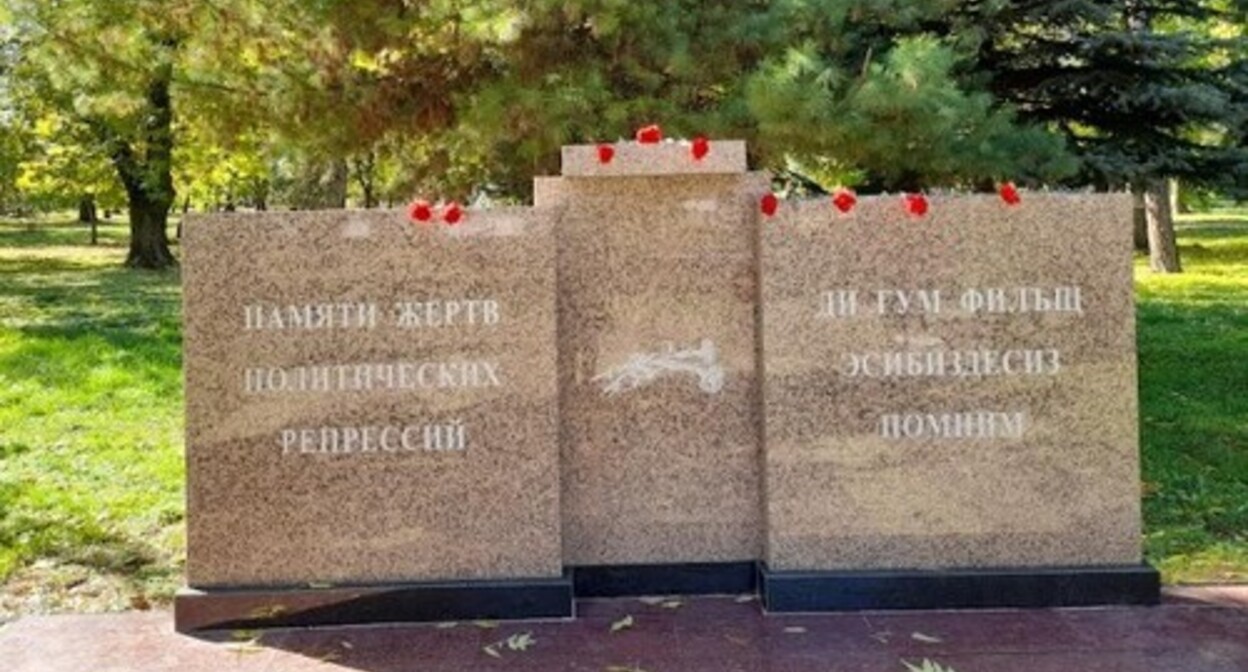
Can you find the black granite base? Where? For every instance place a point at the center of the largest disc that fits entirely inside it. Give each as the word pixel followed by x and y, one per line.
pixel 245 609
pixel 694 578
pixel 959 589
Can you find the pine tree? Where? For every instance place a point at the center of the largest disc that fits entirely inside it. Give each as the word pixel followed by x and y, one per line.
pixel 1143 91
pixel 843 90
pixel 898 120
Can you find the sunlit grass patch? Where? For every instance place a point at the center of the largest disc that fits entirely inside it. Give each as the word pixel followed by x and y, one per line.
pixel 90 425
pixel 1193 345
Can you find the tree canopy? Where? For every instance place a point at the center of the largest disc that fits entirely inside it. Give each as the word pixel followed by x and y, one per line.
pixel 241 103
pixel 1142 90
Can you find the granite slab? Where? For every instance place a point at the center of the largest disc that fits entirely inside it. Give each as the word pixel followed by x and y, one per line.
pixel 657 367
pixel 953 390
pixel 370 400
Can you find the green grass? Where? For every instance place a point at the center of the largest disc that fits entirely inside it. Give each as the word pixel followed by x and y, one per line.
pixel 91 467
pixel 1193 346
pixel 90 423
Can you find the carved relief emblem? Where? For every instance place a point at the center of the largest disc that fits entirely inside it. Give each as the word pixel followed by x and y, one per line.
pixel 644 368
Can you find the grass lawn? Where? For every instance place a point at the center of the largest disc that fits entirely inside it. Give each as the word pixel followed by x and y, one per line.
pixel 1193 345
pixel 90 423
pixel 91 417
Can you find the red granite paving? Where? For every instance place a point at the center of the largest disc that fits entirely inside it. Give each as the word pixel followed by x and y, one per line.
pixel 1198 630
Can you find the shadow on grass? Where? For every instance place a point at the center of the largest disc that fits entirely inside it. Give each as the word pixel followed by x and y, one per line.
pixel 1219 255
pixel 27 269
pixel 70 318
pixel 70 537
pixel 29 234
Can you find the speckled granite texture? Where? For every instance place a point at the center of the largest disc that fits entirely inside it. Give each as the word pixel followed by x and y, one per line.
pixel 844 493
pixel 266 507
pixel 664 158
pixel 659 402
pixel 649 372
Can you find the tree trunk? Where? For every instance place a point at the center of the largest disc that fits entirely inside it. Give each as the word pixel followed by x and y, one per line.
pixel 260 194
pixel 1163 251
pixel 148 178
pixel 86 209
pixel 364 171
pixel 336 184
pixel 1140 220
pixel 87 215
pixel 1176 203
pixel 149 240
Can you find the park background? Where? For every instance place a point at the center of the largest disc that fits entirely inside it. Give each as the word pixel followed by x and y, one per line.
pixel 116 117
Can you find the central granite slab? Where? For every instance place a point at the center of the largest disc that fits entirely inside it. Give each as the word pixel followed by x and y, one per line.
pixel 657 362
pixel 370 400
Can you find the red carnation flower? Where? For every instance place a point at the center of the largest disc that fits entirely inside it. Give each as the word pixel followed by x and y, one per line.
pixel 419 211
pixel 701 147
pixel 605 153
pixel 916 204
pixel 1009 194
pixel 452 214
pixel 649 135
pixel 769 204
pixel 845 200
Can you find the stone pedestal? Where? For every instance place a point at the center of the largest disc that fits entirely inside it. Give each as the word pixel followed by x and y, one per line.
pixel 950 392
pixel 370 403
pixel 658 383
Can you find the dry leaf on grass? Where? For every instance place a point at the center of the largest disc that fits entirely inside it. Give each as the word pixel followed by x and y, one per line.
pixel 622 624
pixel 926 639
pixel 521 641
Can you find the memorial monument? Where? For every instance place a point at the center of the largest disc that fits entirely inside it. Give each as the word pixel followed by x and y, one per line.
pixel 660 379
